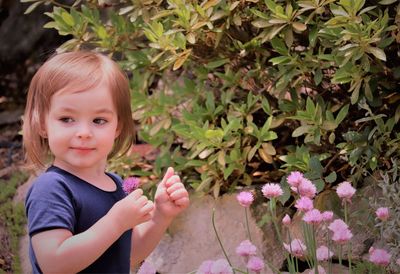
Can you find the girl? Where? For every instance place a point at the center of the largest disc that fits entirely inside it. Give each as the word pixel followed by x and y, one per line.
pixel 79 219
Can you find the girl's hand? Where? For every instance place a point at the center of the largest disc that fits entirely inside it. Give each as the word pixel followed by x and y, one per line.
pixel 134 209
pixel 171 197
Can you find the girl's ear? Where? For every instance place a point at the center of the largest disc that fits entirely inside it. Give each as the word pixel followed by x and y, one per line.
pixel 118 131
pixel 42 130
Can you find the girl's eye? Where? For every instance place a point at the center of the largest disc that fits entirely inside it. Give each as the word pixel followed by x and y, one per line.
pixel 66 120
pixel 100 121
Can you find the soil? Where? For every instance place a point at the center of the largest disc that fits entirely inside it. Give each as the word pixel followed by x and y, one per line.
pixel 11 159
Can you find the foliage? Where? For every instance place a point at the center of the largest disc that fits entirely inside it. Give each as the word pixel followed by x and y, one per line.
pixel 389 184
pixel 12 218
pixel 238 92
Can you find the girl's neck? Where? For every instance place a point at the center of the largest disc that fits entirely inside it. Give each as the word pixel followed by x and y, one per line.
pixel 88 174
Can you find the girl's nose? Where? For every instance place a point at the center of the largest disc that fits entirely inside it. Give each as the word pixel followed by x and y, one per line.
pixel 84 132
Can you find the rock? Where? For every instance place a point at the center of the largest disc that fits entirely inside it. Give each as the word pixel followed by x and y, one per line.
pixel 191 238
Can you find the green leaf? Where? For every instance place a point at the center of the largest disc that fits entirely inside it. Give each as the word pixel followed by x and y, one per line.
pixel 280 60
pixel 301 130
pixel 387 2
pixel 331 177
pixel 378 53
pixel 67 18
pixel 32 7
pixel 342 114
pixel 217 63
pixel 279 45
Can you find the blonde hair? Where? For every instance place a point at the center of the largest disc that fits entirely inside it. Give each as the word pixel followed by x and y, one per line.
pixel 74 71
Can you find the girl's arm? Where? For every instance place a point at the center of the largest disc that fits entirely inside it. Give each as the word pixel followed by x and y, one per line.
pixel 58 251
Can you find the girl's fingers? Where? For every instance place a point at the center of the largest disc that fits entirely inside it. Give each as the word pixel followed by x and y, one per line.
pixel 172 180
pixel 178 194
pixel 175 187
pixel 182 202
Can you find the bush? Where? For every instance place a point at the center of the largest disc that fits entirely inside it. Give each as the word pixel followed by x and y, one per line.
pixel 235 93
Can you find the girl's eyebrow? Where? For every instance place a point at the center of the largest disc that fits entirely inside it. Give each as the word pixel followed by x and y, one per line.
pixel 101 110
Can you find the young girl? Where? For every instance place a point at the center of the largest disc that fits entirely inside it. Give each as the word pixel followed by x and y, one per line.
pixel 77 116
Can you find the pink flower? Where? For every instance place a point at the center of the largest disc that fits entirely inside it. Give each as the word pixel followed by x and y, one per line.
pixel 255 264
pixel 286 220
pixel 272 190
pixel 338 224
pixel 342 236
pixel 246 248
pixel 221 266
pixel 341 231
pixel 382 213
pixel 307 188
pixel 245 198
pixel 312 216
pixel 296 248
pixel 379 256
pixel 345 191
pixel 327 216
pixel 130 184
pixel 398 261
pixel 295 178
pixel 205 267
pixel 304 204
pixel 323 253
pixel 146 268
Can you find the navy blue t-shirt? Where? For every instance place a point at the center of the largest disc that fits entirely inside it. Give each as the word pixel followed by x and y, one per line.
pixel 59 199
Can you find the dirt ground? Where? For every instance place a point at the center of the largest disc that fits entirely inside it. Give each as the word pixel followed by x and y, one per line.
pixel 11 158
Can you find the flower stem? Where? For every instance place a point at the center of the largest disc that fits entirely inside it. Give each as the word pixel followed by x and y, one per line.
pixel 349 243
pixel 219 240
pixel 247 224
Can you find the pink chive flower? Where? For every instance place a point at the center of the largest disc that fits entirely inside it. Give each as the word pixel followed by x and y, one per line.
pixel 130 184
pixel 323 253
pixel 146 268
pixel 272 190
pixel 221 266
pixel 312 216
pixel 286 221
pixel 379 256
pixel 338 224
pixel 382 213
pixel 307 189
pixel 245 198
pixel 327 216
pixel 342 236
pixel 255 264
pixel 205 267
pixel 297 248
pixel 398 261
pixel 295 178
pixel 304 204
pixel 246 248
pixel 345 191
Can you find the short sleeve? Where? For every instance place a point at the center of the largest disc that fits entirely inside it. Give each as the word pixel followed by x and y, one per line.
pixel 49 205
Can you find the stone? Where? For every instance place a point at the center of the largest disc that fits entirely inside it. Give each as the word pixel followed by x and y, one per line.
pixel 192 240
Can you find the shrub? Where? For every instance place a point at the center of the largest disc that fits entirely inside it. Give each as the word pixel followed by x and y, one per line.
pixel 239 92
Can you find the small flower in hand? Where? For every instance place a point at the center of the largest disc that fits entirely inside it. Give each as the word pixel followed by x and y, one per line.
pixel 130 184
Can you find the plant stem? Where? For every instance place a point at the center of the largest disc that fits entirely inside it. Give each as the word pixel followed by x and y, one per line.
pixel 247 224
pixel 349 243
pixel 219 240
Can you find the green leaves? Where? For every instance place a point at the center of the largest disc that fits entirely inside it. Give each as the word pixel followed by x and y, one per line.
pixel 233 92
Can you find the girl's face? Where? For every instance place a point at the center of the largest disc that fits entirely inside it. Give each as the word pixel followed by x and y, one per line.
pixel 81 128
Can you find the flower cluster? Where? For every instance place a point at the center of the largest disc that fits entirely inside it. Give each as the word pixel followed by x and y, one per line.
pixel 220 266
pixel 336 230
pixel 130 184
